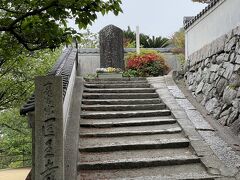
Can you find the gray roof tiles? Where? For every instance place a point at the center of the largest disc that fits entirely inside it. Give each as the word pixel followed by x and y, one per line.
pixel 204 11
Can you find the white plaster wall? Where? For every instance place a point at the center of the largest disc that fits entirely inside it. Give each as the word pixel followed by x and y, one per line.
pixel 89 63
pixel 218 21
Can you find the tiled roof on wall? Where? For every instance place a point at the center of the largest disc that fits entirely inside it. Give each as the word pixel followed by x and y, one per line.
pixel 204 11
pixel 91 51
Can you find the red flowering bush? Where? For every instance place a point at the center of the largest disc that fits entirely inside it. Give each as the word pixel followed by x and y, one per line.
pixel 148 63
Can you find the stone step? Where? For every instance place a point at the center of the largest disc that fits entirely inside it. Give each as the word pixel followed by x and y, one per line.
pixel 133 155
pixel 120 101
pixel 117 82
pixel 130 131
pixel 121 90
pixel 193 171
pixel 126 122
pixel 138 163
pixel 123 107
pixel 115 79
pixel 105 144
pixel 138 85
pixel 120 96
pixel 124 114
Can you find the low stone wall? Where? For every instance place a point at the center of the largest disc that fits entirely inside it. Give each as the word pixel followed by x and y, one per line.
pixel 213 76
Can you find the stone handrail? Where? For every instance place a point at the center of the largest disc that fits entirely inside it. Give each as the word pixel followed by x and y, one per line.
pixel 48 112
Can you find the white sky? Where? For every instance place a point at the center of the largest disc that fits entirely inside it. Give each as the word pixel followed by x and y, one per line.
pixel 155 17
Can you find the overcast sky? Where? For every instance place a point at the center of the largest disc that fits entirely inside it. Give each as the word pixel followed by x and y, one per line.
pixel 155 17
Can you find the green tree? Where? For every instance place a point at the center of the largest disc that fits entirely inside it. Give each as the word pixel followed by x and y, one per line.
pixel 178 40
pixel 18 74
pixel 153 42
pixel 16 86
pixel 15 137
pixel 42 24
pixel 145 40
pixel 89 40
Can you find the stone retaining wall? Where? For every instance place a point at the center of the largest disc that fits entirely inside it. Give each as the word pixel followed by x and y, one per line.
pixel 213 76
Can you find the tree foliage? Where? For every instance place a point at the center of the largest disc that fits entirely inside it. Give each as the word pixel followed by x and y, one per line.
pixel 18 74
pixel 15 137
pixel 145 40
pixel 89 40
pixel 178 40
pixel 42 24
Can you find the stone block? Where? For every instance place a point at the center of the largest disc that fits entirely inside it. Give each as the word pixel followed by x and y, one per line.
pixel 230 44
pixel 111 47
pixel 237 61
pixel 211 105
pixel 235 127
pixel 49 138
pixel 229 70
pixel 229 95
pixel 214 68
pixel 220 58
pixel 200 87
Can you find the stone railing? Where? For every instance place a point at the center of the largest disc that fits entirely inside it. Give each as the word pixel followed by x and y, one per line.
pixel 48 111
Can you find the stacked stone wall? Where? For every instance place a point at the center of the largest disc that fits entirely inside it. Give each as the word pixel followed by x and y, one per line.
pixel 213 76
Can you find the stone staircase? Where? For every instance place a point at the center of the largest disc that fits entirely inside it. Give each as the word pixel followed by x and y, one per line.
pixel 127 132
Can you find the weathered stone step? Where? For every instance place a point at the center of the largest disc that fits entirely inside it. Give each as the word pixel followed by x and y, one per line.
pixel 115 79
pixel 121 90
pixel 139 163
pixel 134 154
pixel 193 171
pixel 138 85
pixel 120 101
pixel 120 96
pixel 124 114
pixel 126 122
pixel 123 107
pixel 104 144
pixel 130 131
pixel 118 82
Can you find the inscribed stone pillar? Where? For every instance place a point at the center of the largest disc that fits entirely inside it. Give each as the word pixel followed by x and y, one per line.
pixel 111 47
pixel 49 153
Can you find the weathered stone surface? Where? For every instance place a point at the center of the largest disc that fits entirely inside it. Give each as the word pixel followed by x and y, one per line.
pixel 230 44
pixel 49 138
pixel 235 80
pixel 220 58
pixel 229 95
pixel 232 57
pixel 229 69
pixel 221 85
pixel 215 81
pixel 200 87
pixel 232 117
pixel 214 68
pixel 111 47
pixel 238 59
pixel 211 105
pixel 235 127
pixel 238 93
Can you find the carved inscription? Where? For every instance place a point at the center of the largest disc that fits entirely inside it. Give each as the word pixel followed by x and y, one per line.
pixel 49 141
pixel 48 133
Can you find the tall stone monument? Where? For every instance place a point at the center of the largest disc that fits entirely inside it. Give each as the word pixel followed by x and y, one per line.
pixel 111 47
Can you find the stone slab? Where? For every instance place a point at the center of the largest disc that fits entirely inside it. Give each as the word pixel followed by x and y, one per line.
pixel 49 139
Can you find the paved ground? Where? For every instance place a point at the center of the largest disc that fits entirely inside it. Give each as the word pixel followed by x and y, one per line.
pixel 128 132
pixel 14 174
